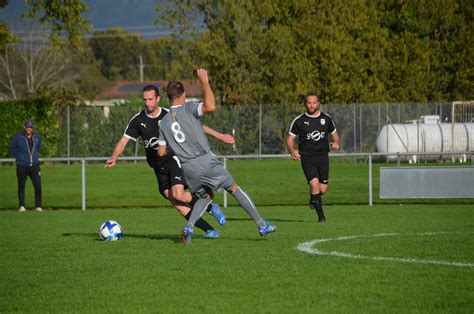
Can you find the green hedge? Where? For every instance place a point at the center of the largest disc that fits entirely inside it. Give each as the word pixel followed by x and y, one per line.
pixel 92 134
pixel 44 114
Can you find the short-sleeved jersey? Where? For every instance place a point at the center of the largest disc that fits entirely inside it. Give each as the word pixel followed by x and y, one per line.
pixel 312 133
pixel 181 129
pixel 148 128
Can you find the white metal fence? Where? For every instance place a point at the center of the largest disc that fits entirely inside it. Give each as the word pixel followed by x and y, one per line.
pixel 469 157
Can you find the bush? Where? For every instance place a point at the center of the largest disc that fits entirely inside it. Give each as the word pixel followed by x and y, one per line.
pixel 42 111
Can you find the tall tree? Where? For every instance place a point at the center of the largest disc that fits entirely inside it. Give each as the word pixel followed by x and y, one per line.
pixel 5 35
pixel 28 68
pixel 257 50
pixel 118 53
pixel 348 51
pixel 121 55
pixel 61 17
pixel 451 43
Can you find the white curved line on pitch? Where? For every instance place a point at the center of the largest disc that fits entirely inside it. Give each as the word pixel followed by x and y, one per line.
pixel 308 247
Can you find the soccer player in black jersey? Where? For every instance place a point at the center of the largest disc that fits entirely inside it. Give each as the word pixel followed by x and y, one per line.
pixel 311 131
pixel 167 169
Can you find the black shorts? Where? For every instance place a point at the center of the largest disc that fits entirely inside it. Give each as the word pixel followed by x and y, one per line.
pixel 316 166
pixel 169 174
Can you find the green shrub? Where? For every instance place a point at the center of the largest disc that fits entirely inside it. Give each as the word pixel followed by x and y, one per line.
pixel 41 111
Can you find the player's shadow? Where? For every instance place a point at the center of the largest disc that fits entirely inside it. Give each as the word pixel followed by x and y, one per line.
pixel 253 239
pixel 169 237
pixel 82 234
pixel 270 219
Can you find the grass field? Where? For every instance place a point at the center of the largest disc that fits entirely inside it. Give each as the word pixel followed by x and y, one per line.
pixel 270 182
pixel 398 257
pixel 55 262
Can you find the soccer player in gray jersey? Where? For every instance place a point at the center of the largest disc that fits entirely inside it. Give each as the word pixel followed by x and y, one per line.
pixel 181 130
pixel 168 172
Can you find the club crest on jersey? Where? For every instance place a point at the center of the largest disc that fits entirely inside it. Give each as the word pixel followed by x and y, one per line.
pixel 323 121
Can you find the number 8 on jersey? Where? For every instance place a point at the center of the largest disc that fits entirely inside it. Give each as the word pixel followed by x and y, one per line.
pixel 178 135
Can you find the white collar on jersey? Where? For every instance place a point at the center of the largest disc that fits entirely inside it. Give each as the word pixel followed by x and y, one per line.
pixel 176 106
pixel 313 116
pixel 150 116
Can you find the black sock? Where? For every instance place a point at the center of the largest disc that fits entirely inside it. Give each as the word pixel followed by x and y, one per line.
pixel 317 203
pixel 201 223
pixel 195 199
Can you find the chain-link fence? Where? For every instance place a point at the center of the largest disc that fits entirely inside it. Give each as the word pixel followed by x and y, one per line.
pixel 258 129
pixel 87 131
pixel 360 124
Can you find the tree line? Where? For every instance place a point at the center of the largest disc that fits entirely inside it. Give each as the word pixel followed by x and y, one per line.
pixel 256 51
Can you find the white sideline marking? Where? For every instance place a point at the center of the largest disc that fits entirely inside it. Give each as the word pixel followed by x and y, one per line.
pixel 308 247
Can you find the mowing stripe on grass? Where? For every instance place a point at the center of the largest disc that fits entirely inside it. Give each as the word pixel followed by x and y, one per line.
pixel 308 247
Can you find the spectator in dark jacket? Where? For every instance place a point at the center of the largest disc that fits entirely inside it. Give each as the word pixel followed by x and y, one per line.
pixel 25 147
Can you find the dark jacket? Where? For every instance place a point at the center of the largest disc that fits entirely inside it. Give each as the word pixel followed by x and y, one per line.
pixel 20 149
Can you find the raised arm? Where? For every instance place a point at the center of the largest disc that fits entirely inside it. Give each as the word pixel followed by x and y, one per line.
pixel 209 104
pixel 117 151
pixel 226 138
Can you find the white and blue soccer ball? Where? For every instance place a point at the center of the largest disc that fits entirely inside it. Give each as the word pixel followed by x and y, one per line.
pixel 110 231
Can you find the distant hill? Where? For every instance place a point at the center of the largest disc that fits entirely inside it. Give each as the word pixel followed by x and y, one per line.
pixel 123 13
pixel 132 15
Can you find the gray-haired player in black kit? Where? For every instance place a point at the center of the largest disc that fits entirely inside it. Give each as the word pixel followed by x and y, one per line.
pixel 312 130
pixel 167 169
pixel 181 130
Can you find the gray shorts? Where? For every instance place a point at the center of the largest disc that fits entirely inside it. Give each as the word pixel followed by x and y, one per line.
pixel 207 171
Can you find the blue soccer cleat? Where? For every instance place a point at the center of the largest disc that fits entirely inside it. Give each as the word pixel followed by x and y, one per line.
pixel 186 235
pixel 211 234
pixel 267 228
pixel 218 214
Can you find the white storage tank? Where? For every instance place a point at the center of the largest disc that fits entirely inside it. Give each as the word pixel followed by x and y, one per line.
pixel 427 135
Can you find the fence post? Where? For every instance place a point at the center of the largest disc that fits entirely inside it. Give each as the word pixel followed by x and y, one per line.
pixel 398 113
pixel 354 119
pixel 68 122
pixel 83 184
pixel 259 130
pixel 360 128
pixel 370 179
pixel 378 118
pixel 386 123
pixel 225 192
